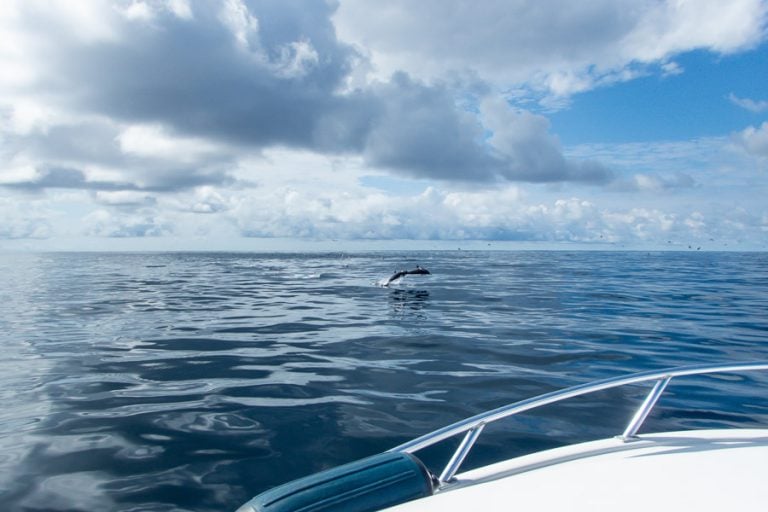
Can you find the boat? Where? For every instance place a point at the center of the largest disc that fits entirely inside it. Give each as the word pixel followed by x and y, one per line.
pixel 706 469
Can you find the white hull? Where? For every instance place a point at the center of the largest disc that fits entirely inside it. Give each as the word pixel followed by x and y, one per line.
pixel 692 470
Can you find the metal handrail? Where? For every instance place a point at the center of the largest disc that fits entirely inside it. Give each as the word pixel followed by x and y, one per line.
pixel 474 425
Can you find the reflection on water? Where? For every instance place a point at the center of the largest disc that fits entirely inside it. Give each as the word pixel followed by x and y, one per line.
pixel 193 381
pixel 407 302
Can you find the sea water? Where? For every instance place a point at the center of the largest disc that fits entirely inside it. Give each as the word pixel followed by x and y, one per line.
pixel 192 381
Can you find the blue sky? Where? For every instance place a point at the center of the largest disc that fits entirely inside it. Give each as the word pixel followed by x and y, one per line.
pixel 694 103
pixel 260 124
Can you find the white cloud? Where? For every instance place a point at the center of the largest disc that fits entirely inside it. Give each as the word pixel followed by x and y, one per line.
pixel 666 28
pixel 695 221
pixel 754 140
pixel 182 101
pixel 137 10
pixel 756 106
pixel 244 26
pixel 500 214
pixel 164 118
pixel 11 174
pixel 206 199
pixel 671 69
pixel 154 141
pixel 86 22
pixel 109 224
pixel 181 9
pixel 300 204
pixel 14 45
pixel 558 45
pixel 148 10
pixel 640 225
pixel 32 221
pixel 28 115
pixel 124 198
pixel 654 182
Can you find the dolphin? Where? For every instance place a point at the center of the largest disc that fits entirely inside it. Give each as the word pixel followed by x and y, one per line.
pixel 417 271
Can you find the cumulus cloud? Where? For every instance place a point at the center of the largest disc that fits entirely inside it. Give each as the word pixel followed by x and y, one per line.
pixel 204 199
pixel 165 91
pixel 169 179
pixel 125 198
pixel 105 223
pixel 57 177
pixel 419 132
pixel 654 182
pixel 30 222
pixel 190 81
pixel 99 154
pixel 153 141
pixel 505 213
pixel 172 117
pixel 180 8
pixel 526 150
pixel 754 140
pixel 245 74
pixel 557 46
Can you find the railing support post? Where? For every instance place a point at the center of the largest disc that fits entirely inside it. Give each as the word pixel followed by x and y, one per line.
pixel 645 409
pixel 461 453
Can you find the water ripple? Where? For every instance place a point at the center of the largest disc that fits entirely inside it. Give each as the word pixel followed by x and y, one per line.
pixel 193 381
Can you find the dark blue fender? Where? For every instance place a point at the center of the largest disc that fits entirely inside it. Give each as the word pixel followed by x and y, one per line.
pixel 370 484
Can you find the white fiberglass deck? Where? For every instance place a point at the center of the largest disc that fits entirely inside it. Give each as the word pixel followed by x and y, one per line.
pixel 693 470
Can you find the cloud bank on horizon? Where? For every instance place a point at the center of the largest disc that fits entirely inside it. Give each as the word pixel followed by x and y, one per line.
pixel 361 120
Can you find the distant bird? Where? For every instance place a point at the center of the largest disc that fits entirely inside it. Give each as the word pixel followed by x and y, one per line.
pixel 417 271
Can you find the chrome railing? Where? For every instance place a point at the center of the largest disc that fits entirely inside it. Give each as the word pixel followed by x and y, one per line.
pixel 473 427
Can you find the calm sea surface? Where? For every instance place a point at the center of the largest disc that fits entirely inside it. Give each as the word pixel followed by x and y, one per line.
pixel 190 382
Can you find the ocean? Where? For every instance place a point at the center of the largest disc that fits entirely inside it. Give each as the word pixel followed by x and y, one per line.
pixel 193 381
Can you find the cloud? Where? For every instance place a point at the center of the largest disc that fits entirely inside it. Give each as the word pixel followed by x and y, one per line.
pixel 137 11
pixel 249 75
pixel 170 94
pixel 204 200
pixel 526 151
pixel 756 106
pixel 557 46
pixel 171 179
pixel 653 182
pixel 505 213
pixel 153 141
pixel 33 221
pixel 154 118
pixel 125 198
pixel 180 8
pixel 669 165
pixel 419 132
pixel 104 223
pixel 99 154
pixel 754 140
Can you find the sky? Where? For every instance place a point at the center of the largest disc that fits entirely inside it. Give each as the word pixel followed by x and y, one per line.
pixel 281 124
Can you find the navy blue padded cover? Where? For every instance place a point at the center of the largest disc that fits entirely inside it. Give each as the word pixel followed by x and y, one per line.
pixel 370 484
